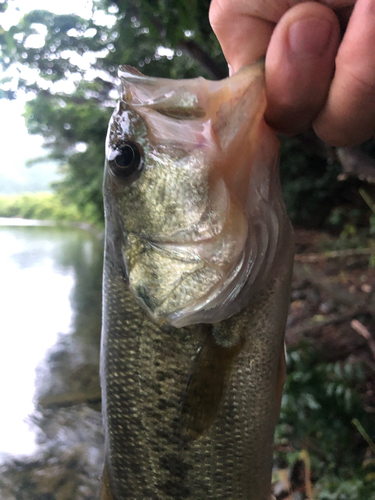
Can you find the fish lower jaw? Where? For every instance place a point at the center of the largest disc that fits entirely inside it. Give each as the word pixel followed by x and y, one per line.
pixel 217 287
pixel 195 311
pixel 175 281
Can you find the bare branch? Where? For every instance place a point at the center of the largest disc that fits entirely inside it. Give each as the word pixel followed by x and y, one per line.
pixel 334 254
pixel 362 330
pixel 309 326
pixel 198 54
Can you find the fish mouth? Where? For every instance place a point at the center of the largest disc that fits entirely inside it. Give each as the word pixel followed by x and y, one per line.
pixel 177 278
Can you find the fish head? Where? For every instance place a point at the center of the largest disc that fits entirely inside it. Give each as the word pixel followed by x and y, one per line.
pixel 191 188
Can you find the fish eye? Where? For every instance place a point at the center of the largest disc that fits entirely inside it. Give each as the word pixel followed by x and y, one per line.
pixel 128 160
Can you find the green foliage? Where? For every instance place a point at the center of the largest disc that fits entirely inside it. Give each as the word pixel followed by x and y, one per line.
pixel 310 185
pixel 357 488
pixel 74 120
pixel 319 404
pixel 45 206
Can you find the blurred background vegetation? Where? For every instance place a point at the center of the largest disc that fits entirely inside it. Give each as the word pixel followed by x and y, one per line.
pixel 73 86
pixel 71 89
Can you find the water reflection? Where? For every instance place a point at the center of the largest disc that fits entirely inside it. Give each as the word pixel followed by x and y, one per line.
pixel 50 296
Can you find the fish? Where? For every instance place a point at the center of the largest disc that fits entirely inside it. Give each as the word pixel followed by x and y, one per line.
pixel 196 286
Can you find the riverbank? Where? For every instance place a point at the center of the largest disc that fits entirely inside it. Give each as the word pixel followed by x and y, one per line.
pixel 46 207
pixel 19 222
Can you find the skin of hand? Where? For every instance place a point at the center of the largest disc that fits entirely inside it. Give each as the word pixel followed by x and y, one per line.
pixel 314 75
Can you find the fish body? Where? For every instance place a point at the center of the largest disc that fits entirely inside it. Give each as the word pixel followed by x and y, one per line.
pixel 197 271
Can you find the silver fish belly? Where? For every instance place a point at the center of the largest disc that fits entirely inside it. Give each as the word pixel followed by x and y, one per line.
pixel 196 288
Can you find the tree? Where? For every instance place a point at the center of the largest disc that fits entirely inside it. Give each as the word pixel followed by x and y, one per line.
pixel 87 52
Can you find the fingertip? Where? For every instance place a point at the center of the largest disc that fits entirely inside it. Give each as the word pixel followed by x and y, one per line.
pixel 348 117
pixel 242 34
pixel 300 65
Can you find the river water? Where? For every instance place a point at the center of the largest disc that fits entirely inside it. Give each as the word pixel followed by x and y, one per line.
pixel 50 423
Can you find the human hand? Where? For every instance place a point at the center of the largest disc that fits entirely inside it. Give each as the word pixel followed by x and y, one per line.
pixel 312 76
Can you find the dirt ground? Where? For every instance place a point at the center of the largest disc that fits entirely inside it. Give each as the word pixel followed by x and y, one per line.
pixel 333 302
pixel 332 306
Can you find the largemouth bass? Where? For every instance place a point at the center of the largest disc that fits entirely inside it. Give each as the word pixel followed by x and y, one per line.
pixel 197 271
